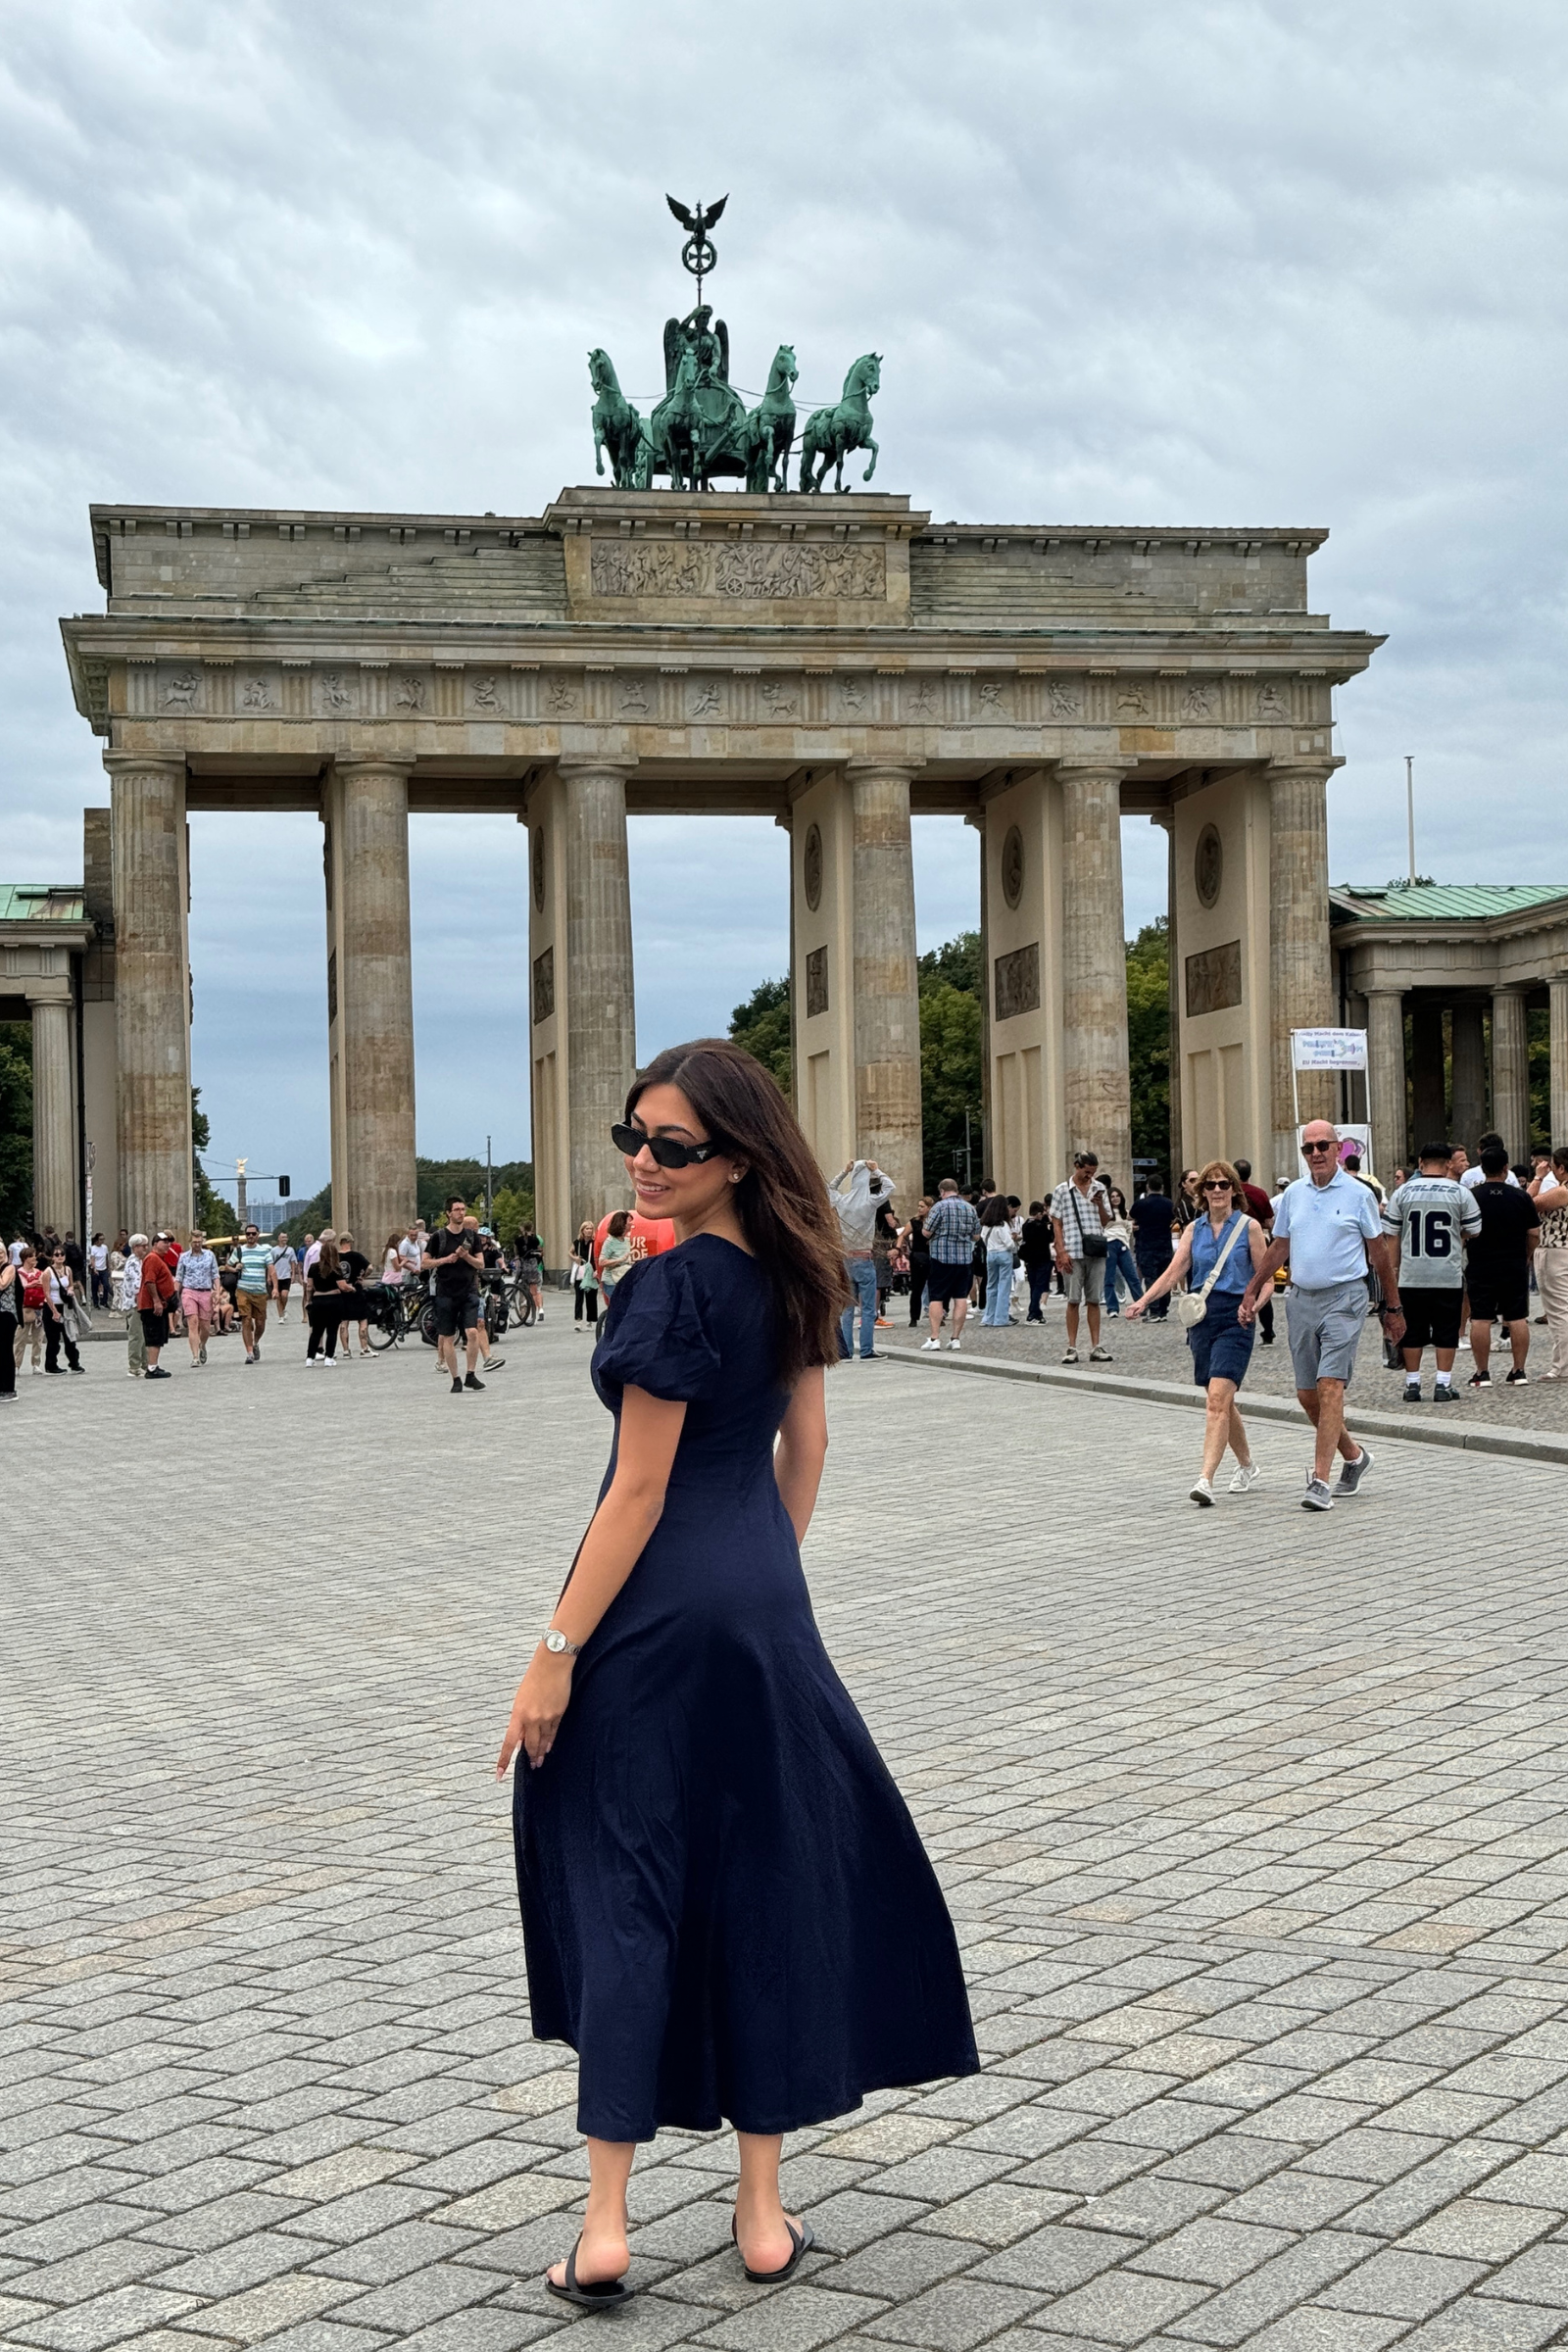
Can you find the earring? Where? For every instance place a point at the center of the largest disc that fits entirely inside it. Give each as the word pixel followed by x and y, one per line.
pixel 735 1176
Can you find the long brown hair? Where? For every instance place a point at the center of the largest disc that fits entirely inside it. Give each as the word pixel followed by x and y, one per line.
pixel 328 1266
pixel 781 1200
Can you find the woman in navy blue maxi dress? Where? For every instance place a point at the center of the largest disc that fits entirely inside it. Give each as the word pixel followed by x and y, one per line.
pixel 728 1910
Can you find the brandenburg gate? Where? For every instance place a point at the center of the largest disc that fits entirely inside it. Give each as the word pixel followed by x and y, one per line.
pixel 839 664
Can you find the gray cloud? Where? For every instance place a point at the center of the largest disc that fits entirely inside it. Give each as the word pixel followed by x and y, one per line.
pixel 1233 262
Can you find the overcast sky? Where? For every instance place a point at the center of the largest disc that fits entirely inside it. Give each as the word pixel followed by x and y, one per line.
pixel 1241 263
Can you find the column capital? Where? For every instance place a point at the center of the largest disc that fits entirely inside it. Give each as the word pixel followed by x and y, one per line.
pixel 907 766
pixel 41 990
pixel 123 763
pixel 371 764
pixel 1094 767
pixel 590 763
pixel 1288 766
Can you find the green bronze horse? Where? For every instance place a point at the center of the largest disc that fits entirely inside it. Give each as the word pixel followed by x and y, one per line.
pixel 831 433
pixel 618 426
pixel 675 432
pixel 770 427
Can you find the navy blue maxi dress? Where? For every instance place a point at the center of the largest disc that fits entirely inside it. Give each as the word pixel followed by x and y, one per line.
pixel 728 1910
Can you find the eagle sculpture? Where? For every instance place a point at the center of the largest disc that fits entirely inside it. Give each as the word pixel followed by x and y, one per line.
pixel 698 224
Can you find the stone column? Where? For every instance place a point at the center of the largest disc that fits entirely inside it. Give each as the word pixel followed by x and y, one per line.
pixel 1428 1113
pixel 374 1002
pixel 601 1008
pixel 1385 1084
pixel 1510 1070
pixel 1094 965
pixel 887 999
pixel 1557 1099
pixel 1301 962
pixel 53 1125
pixel 1166 818
pixel 152 989
pixel 1468 1075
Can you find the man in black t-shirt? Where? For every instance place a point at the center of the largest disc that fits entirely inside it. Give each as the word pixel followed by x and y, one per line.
pixel 1037 1246
pixel 1496 1266
pixel 457 1267
pixel 1151 1217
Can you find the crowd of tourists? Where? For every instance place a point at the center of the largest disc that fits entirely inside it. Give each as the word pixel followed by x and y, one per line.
pixel 1439 1259
pixel 167 1290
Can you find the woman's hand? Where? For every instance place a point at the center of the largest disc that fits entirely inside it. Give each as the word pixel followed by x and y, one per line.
pixel 541 1701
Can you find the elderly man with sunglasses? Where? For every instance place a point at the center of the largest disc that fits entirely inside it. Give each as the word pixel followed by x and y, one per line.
pixel 1330 1228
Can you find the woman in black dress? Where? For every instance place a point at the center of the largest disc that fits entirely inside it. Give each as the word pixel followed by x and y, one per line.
pixel 728 1910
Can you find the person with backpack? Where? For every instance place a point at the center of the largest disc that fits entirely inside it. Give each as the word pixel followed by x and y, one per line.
pixel 60 1311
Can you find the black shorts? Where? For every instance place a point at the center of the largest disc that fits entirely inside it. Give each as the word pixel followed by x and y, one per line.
pixel 947 1283
pixel 456 1313
pixel 1431 1319
pixel 1498 1291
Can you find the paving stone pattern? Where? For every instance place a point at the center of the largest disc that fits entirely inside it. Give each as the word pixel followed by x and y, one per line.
pixel 1252 1825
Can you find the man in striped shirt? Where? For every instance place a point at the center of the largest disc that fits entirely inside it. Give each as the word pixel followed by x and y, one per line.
pixel 257 1282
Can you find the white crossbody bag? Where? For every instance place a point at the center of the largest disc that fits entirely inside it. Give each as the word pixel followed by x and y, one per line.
pixel 1193 1305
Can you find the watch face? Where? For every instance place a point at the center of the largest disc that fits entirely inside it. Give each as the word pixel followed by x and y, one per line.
pixel 556 1641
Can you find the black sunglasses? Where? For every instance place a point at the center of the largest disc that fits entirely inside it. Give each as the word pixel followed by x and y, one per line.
pixel 664 1148
pixel 1216 1184
pixel 1319 1148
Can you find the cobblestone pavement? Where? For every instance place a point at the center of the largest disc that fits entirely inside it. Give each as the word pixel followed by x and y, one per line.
pixel 1252 1824
pixel 1151 1350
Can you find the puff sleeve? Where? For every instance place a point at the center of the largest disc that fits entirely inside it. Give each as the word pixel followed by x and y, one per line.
pixel 655 1335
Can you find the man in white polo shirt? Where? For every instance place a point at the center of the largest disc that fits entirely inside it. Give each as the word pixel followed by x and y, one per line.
pixel 1329 1226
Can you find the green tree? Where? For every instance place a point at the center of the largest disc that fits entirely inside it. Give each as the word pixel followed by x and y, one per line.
pixel 949 1082
pixel 16 1127
pixel 210 1210
pixel 762 1026
pixel 512 1208
pixel 312 1216
pixel 1148 1042
pixel 959 963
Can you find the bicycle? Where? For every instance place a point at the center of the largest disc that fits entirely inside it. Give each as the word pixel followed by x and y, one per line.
pixel 397 1311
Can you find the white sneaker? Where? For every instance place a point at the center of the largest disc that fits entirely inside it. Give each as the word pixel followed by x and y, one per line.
pixel 1202 1494
pixel 1246 1479
pixel 928 1346
pixel 1071 1356
pixel 329 1364
pixel 952 1346
pixel 1465 1345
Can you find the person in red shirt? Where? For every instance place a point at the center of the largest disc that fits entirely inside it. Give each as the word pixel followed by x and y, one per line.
pixel 1262 1208
pixel 152 1304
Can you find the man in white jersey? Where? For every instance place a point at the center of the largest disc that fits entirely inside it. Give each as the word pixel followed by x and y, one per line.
pixel 1433 1215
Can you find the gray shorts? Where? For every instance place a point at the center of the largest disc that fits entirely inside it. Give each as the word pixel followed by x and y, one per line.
pixel 1325 1327
pixel 1086 1282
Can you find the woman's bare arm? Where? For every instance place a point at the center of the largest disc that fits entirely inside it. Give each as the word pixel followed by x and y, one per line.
pixel 649 1431
pixel 1168 1280
pixel 802 1449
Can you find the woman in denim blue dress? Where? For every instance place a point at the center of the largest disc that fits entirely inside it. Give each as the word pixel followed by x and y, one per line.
pixel 1223 1249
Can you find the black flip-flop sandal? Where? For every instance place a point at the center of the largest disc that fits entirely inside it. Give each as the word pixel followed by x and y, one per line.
pixel 602 2296
pixel 800 2240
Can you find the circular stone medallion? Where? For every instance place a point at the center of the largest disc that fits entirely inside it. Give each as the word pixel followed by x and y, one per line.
pixel 811 867
pixel 539 867
pixel 1012 866
pixel 1209 864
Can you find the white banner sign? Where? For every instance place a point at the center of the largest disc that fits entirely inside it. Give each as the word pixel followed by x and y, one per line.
pixel 1328 1048
pixel 1355 1141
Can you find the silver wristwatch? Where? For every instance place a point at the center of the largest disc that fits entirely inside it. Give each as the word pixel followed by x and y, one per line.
pixel 554 1641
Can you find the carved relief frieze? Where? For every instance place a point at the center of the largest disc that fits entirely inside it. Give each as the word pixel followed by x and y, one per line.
pixel 704 698
pixel 411 694
pixel 816 983
pixel 487 694
pixel 852 694
pixel 337 693
pixel 668 568
pixel 563 696
pixel 635 694
pixel 1018 982
pixel 257 690
pixel 180 689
